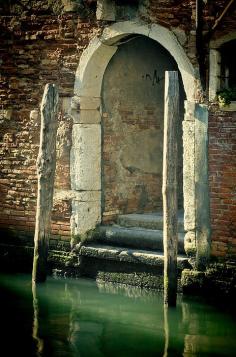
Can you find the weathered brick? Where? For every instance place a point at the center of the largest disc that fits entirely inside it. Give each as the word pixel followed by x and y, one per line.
pixel 222 166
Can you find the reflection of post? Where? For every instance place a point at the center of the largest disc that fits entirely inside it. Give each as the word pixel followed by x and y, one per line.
pixel 166 331
pixel 35 333
pixel 169 187
pixel 74 325
pixel 190 325
pixel 46 164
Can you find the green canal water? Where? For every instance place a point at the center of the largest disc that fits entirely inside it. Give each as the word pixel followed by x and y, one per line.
pixel 67 317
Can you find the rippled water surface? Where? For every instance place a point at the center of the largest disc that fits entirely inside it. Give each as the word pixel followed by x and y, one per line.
pixel 83 318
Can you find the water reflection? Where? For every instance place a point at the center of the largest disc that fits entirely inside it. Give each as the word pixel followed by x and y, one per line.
pixel 35 334
pixel 82 318
pixel 166 330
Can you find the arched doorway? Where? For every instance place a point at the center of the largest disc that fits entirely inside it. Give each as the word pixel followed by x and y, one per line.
pixel 86 151
pixel 132 128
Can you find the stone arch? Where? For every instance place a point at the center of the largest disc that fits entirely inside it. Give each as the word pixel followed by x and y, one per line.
pixel 100 50
pixel 86 137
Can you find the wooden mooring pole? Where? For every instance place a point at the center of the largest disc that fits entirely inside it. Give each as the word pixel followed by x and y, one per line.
pixel 169 186
pixel 46 164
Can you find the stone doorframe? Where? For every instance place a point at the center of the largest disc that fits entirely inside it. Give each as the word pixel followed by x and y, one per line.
pixel 85 164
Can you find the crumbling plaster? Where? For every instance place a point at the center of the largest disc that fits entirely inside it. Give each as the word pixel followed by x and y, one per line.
pixel 133 111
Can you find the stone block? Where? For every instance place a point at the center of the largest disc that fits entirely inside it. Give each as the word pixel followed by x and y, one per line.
pixel 84 116
pixel 118 31
pixel 92 66
pixel 86 157
pixel 85 217
pixel 201 185
pixel 106 10
pixel 201 142
pixel 81 196
pixel 189 110
pixel 75 103
pixel 79 102
pixel 189 175
pixel 190 243
pixel 90 103
pixel 180 34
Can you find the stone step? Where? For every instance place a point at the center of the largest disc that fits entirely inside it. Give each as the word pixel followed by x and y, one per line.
pixel 126 255
pixel 134 237
pixel 148 220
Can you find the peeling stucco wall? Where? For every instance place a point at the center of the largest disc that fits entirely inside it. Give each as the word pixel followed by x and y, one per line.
pixel 132 126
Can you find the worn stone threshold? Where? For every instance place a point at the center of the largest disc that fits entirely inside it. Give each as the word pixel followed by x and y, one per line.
pixel 135 237
pixel 128 255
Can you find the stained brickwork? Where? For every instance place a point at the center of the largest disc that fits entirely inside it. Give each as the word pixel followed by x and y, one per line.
pixel 222 179
pixel 35 50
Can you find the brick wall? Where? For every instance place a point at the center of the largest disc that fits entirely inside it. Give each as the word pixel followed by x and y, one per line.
pixel 222 179
pixel 35 50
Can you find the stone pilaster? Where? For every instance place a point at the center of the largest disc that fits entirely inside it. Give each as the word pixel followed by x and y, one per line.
pixel 195 177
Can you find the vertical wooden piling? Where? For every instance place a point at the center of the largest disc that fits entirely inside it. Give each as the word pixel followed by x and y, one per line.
pixel 46 164
pixel 169 187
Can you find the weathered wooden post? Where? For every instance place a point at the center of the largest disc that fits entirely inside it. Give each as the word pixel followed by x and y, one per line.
pixel 46 164
pixel 169 187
